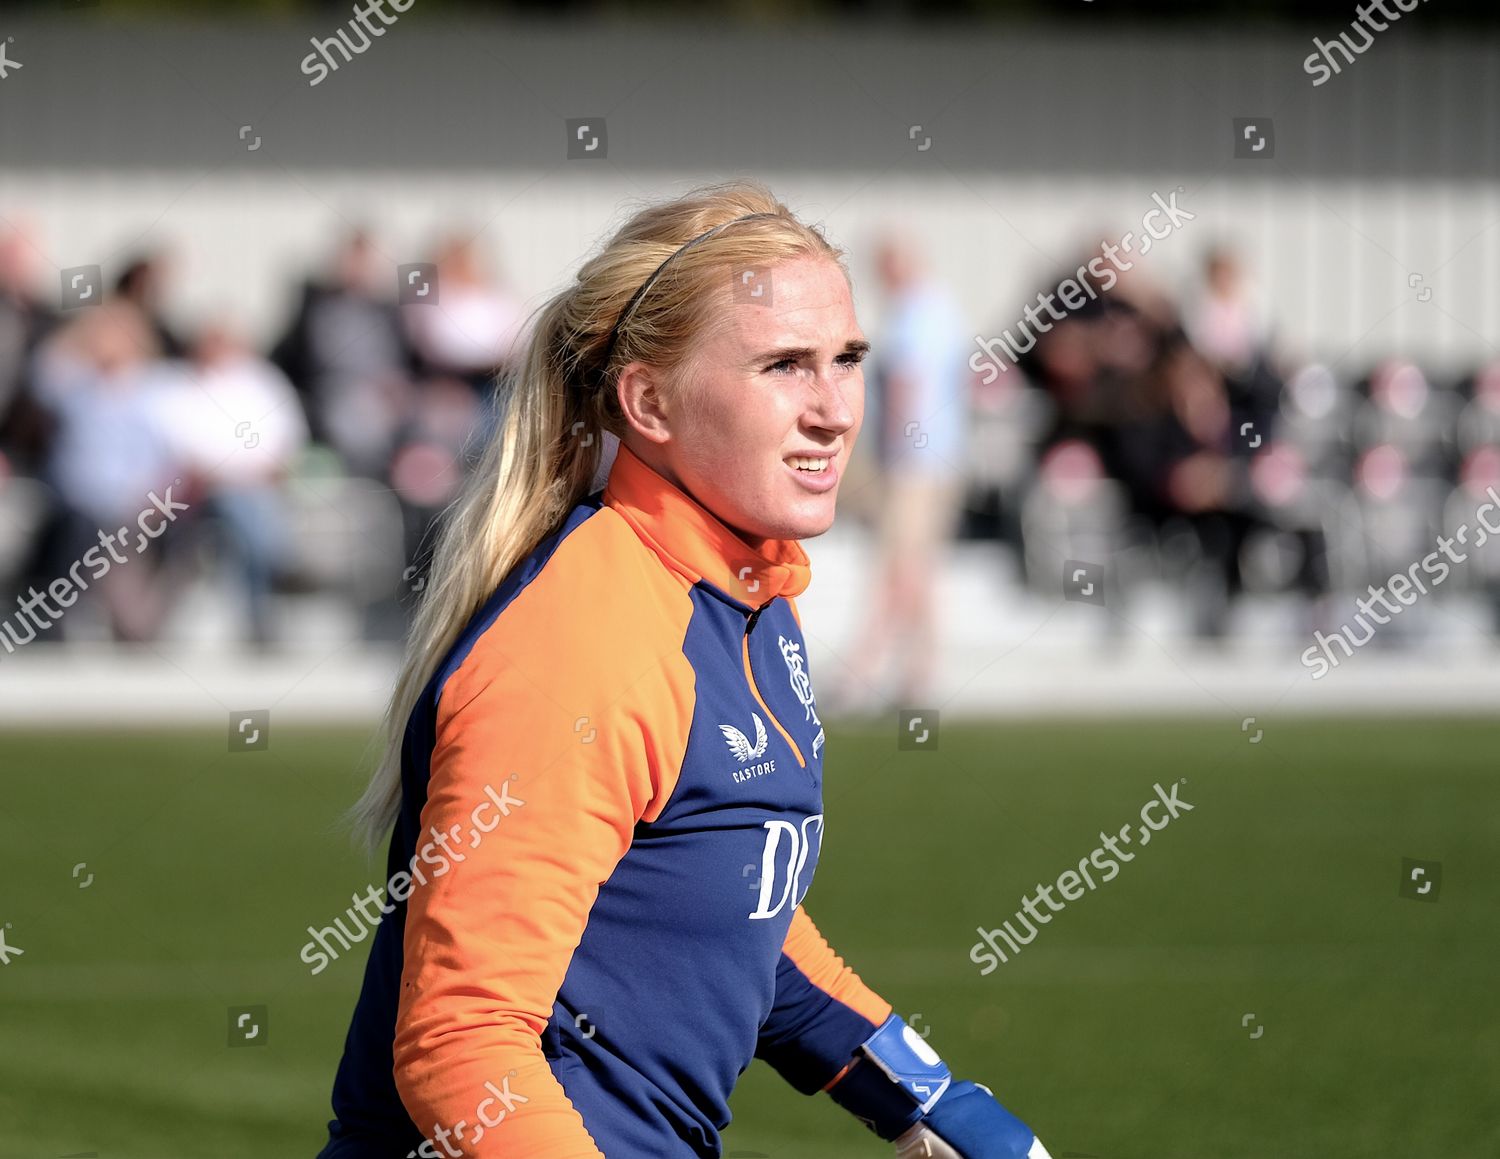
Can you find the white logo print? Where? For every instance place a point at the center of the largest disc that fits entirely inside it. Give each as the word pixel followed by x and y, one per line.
pixel 786 869
pixel 791 652
pixel 740 745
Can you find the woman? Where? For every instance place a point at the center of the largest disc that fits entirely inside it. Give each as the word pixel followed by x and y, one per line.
pixel 615 680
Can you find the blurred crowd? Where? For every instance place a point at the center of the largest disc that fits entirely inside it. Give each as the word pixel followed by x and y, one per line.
pixel 1168 434
pixel 317 465
pixel 1161 434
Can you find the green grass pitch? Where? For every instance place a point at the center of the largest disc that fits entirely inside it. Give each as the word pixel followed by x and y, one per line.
pixel 1119 1032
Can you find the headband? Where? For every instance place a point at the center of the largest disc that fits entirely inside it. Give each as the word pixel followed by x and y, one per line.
pixel 614 333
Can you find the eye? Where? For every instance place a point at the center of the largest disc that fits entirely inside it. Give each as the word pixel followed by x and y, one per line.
pixel 847 360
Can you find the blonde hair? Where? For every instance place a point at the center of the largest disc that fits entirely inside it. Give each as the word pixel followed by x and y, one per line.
pixel 540 463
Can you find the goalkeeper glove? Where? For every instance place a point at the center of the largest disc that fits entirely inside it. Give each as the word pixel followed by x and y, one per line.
pixel 899 1088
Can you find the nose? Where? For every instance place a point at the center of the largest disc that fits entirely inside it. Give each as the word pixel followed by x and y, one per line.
pixel 828 405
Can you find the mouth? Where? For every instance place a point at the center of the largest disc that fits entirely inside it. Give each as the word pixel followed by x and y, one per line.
pixel 817 472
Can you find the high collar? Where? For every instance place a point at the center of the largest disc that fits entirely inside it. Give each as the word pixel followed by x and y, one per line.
pixel 693 541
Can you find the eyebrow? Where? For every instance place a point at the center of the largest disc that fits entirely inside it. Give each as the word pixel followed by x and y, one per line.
pixel 799 353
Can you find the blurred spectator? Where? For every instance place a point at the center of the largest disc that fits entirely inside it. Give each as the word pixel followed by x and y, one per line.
pixel 1127 379
pixel 1227 325
pixel 142 283
pixel 429 463
pixel 472 331
pixel 1171 444
pixel 917 413
pixel 235 427
pixel 347 355
pixel 1224 321
pixel 102 382
pixel 1172 447
pixel 24 320
pixel 1087 362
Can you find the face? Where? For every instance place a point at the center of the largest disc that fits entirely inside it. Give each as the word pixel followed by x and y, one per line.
pixel 774 387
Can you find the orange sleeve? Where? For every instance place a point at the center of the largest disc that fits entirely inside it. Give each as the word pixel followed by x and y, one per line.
pixel 585 722
pixel 812 955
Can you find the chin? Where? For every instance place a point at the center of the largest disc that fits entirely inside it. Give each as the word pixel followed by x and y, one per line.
pixel 795 519
pixel 798 525
pixel 815 527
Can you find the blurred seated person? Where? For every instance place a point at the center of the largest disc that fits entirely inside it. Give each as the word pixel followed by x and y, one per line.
pixel 471 332
pixel 235 426
pixel 102 383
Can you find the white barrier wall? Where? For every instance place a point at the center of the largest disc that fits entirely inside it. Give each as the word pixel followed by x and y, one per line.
pixel 1334 260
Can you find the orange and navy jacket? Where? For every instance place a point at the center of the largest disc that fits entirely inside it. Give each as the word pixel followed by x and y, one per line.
pixel 605 961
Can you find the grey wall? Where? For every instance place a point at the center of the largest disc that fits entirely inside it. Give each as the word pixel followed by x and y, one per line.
pixel 493 95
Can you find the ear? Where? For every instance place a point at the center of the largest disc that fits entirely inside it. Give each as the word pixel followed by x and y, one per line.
pixel 643 402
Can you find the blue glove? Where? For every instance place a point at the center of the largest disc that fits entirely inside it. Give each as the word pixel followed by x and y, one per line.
pixel 968 1122
pixel 899 1088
